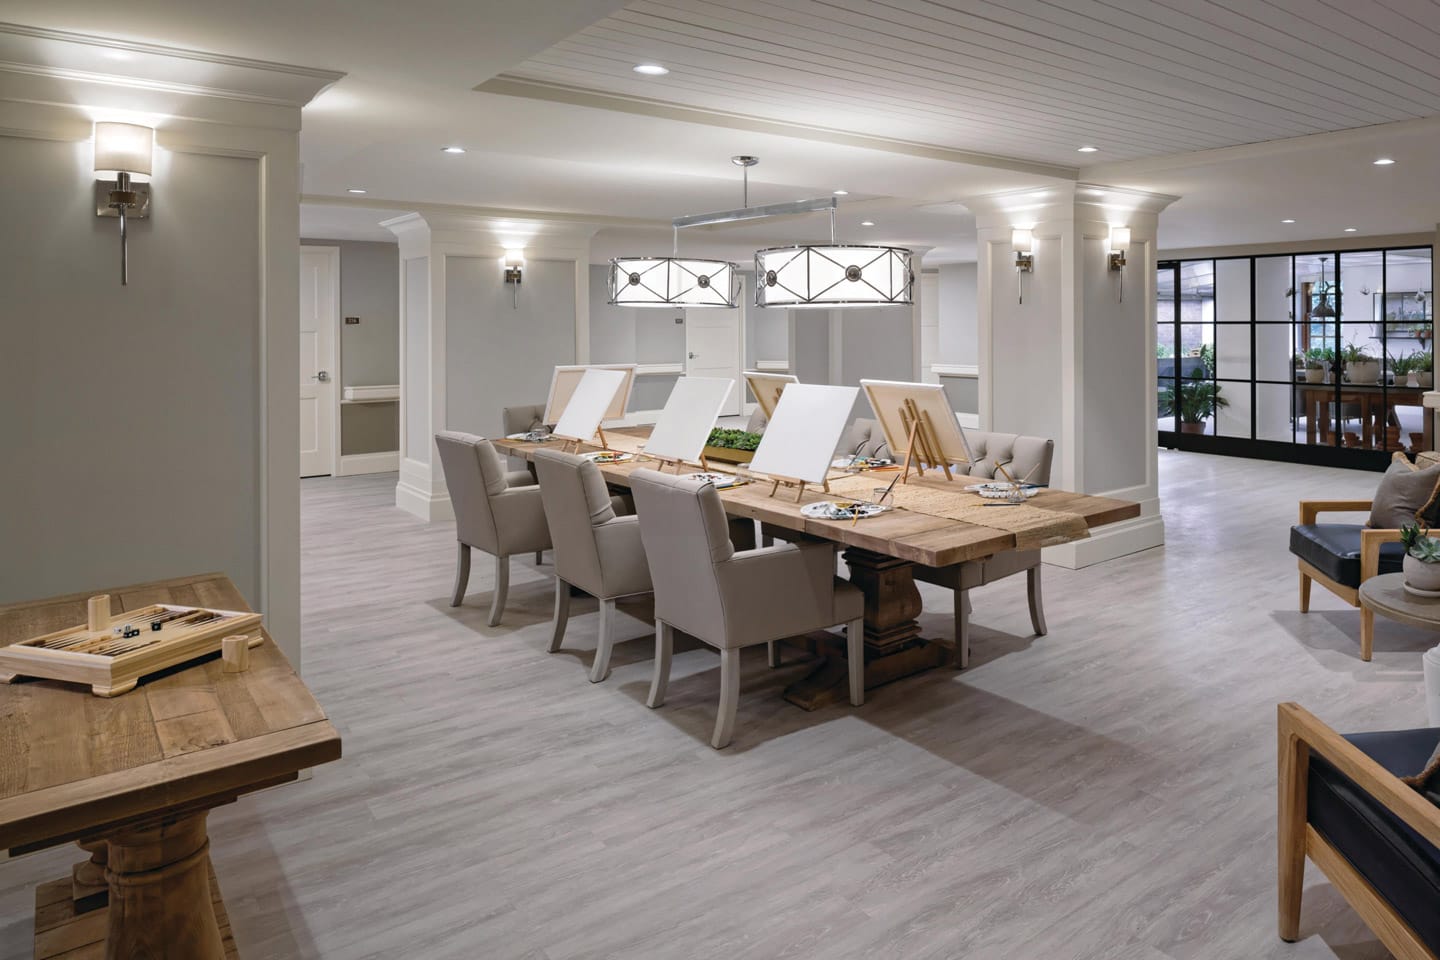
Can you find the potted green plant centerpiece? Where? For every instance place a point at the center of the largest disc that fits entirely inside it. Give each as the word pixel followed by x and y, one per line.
pixel 1194 403
pixel 1421 364
pixel 1422 561
pixel 1403 369
pixel 1360 367
pixel 731 446
pixel 1315 366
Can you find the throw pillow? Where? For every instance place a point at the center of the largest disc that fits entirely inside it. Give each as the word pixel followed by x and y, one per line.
pixel 1403 494
pixel 1427 781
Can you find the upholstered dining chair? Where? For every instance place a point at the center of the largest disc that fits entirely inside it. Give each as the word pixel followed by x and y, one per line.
pixel 595 549
pixel 1351 804
pixel 730 599
pixel 1027 459
pixel 496 511
pixel 523 419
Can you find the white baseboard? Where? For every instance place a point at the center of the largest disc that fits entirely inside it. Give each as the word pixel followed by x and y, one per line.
pixel 353 464
pixel 1110 541
pixel 431 508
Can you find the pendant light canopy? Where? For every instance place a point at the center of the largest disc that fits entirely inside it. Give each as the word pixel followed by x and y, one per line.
pixel 673 282
pixel 833 275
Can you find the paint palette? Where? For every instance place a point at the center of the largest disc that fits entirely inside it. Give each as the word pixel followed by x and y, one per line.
pixel 720 480
pixel 1000 490
pixel 841 510
pixel 602 457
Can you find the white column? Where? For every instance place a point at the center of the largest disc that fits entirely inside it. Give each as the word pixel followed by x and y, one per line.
pixel 1075 361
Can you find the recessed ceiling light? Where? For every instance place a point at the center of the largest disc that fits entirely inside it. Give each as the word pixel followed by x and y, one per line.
pixel 452 149
pixel 650 69
pixel 867 223
pixel 1088 149
pixel 354 190
pixel 842 193
pixel 1287 220
pixel 1384 162
pixel 1351 229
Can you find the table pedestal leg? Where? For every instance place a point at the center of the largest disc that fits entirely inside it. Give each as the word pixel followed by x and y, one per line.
pixel 893 647
pixel 160 899
pixel 88 886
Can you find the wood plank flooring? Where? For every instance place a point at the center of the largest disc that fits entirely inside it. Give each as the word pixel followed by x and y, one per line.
pixel 1107 791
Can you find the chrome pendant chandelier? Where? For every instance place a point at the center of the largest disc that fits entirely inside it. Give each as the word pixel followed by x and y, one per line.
pixel 800 276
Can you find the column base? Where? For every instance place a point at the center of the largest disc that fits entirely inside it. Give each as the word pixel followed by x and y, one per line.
pixel 416 493
pixel 1109 542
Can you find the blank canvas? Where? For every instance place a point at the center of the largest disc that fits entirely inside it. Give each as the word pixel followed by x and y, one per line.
pixel 887 398
pixel 767 388
pixel 801 437
pixel 566 378
pixel 588 403
pixel 689 416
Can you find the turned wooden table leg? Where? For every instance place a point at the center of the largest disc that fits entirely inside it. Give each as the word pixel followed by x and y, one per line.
pixel 88 886
pixel 160 899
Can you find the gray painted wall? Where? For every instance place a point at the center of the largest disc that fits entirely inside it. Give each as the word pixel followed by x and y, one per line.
pixel 876 343
pixel 132 414
pixel 498 355
pixel 959 328
pixel 810 360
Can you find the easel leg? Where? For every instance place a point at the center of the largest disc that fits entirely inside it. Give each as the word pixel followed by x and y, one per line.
pixel 604 444
pixel 799 491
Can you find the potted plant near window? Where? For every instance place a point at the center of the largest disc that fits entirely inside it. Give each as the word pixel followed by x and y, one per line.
pixel 1360 367
pixel 1316 364
pixel 1403 369
pixel 1421 366
pixel 1422 560
pixel 1195 403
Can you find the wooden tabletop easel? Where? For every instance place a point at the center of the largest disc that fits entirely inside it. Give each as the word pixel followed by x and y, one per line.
pixel 921 434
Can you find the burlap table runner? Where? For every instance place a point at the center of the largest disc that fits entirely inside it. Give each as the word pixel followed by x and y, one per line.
pixel 1033 527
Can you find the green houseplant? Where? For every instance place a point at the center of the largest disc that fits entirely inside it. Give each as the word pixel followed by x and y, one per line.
pixel 1195 402
pixel 1422 559
pixel 1422 366
pixel 1360 366
pixel 731 446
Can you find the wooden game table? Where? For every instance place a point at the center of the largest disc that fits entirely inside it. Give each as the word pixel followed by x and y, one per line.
pixel 880 552
pixel 133 779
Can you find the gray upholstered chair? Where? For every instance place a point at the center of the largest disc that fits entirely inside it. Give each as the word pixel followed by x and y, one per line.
pixel 595 549
pixel 864 438
pixel 495 511
pixel 523 419
pixel 731 600
pixel 757 421
pixel 1026 458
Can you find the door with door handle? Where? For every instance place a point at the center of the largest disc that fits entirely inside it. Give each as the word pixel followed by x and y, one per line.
pixel 323 376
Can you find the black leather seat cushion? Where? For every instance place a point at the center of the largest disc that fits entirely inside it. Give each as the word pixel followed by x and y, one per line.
pixel 1398 862
pixel 1334 550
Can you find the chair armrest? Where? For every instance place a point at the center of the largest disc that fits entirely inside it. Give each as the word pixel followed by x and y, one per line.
pixel 1310 509
pixel 520 520
pixel 1300 730
pixel 1370 540
pixel 623 567
pixel 778 591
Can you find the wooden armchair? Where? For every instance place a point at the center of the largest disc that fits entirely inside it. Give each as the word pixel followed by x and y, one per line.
pixel 1343 805
pixel 1341 556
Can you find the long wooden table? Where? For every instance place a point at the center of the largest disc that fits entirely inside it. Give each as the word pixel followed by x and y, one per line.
pixel 880 552
pixel 133 779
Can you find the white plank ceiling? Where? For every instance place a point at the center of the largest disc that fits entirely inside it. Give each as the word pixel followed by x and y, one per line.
pixel 1031 79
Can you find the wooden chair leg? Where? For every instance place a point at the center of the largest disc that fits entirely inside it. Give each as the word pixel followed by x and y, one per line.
pixel 562 613
pixel 1367 634
pixel 772 654
pixel 502 590
pixel 961 656
pixel 1304 592
pixel 600 669
pixel 1293 771
pixel 855 655
pixel 462 574
pixel 1037 605
pixel 664 647
pixel 729 698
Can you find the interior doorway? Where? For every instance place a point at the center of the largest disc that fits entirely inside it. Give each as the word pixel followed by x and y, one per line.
pixel 319 367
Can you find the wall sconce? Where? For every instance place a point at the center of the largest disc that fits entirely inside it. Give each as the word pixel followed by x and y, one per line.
pixel 1119 248
pixel 123 151
pixel 1023 243
pixel 514 264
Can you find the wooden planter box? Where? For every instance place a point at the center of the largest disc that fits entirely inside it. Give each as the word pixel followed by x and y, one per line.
pixel 729 454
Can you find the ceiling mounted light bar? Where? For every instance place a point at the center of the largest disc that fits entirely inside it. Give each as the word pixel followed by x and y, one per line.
pixel 756 213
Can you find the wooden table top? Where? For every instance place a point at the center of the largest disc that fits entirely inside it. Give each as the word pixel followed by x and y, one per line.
pixel 191 738
pixel 917 537
pixel 1386 595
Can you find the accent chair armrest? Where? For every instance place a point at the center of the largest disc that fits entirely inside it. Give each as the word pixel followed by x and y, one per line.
pixel 776 592
pixel 1301 733
pixel 1370 540
pixel 1310 509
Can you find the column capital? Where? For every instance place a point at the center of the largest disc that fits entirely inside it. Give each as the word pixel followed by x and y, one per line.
pixel 1064 201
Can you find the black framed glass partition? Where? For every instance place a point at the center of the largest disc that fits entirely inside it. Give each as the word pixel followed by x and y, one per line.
pixel 1315 357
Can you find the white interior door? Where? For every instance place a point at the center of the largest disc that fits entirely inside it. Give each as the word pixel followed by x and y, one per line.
pixel 713 349
pixel 319 318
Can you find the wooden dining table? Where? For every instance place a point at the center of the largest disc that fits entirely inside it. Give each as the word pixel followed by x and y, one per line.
pixel 133 779
pixel 880 551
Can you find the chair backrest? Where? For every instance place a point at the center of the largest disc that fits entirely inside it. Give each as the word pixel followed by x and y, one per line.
pixel 523 419
pixel 864 438
pixel 1026 458
pixel 757 422
pixel 576 502
pixel 685 533
pixel 474 473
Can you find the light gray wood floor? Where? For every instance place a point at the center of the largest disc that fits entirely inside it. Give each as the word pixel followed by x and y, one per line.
pixel 1103 792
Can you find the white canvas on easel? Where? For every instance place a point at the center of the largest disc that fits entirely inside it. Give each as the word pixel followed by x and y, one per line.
pixel 589 401
pixel 767 388
pixel 566 378
pixel 689 416
pixel 801 437
pixel 890 400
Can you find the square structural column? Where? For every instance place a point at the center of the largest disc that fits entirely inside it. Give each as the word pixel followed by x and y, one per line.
pixel 1067 347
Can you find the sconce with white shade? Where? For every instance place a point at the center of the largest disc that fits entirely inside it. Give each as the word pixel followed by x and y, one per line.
pixel 514 265
pixel 1119 249
pixel 1022 241
pixel 123 153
